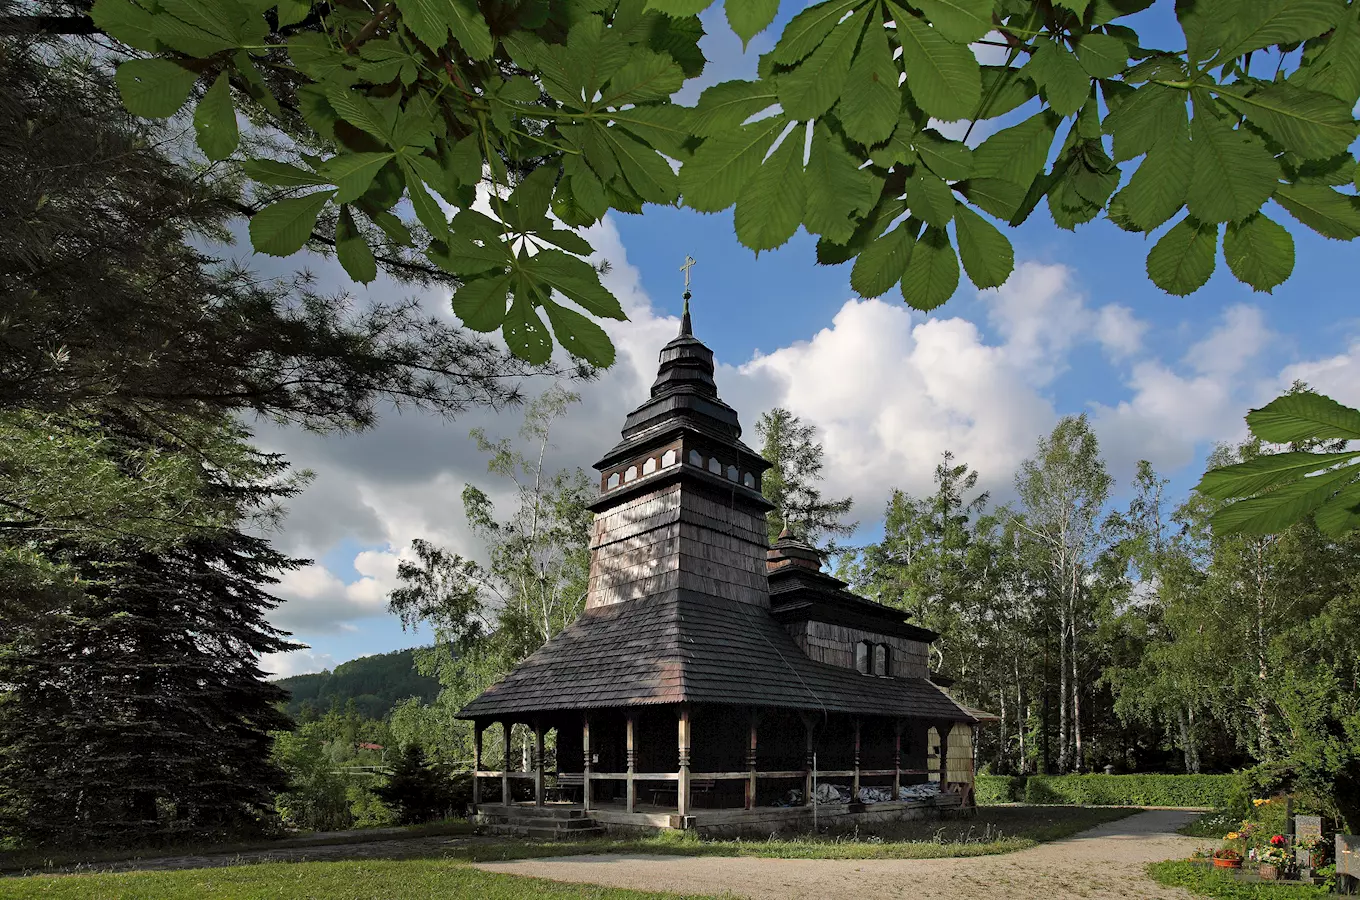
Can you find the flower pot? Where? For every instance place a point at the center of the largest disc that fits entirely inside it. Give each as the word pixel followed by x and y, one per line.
pixel 1269 872
pixel 1227 863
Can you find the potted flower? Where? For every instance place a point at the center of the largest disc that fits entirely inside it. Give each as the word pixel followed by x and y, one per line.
pixel 1310 853
pixel 1227 858
pixel 1274 858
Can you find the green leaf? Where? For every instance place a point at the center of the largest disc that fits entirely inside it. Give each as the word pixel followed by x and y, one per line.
pixel 1264 23
pixel 186 38
pixel 943 77
pixel 353 173
pixel 352 250
pixel 531 197
pixel 291 12
pixel 1232 173
pixel 837 188
pixel 870 100
pixel 680 8
pixel 1276 510
pixel 579 336
pixel 1157 190
pixel 215 121
pixel 961 21
pixel 770 207
pixel 154 88
pixel 525 333
pixel 987 255
pixel 427 208
pixel 713 179
pixel 749 18
pixel 282 228
pixel 361 112
pixel 127 22
pixel 1255 475
pixel 727 105
pixel 1101 55
pixel 255 85
pixel 432 20
pixel 646 76
pixel 1259 252
pixel 808 29
pixel 932 275
pixel 1341 512
pixel 576 279
pixel 1304 416
pixel 1004 89
pixel 1076 6
pixel 1017 153
pixel 929 199
pixel 1146 117
pixel 882 264
pixel 647 172
pixel 810 90
pixel 1331 64
pixel 1332 215
pixel 1182 261
pixel 480 302
pixel 1064 83
pixel 997 196
pixel 280 174
pixel 951 160
pixel 1310 124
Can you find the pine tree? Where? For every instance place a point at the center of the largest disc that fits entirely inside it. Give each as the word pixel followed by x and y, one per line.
pixel 134 709
pixel 415 789
pixel 791 484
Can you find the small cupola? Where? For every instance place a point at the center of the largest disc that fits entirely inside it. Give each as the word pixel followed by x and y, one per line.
pixel 791 551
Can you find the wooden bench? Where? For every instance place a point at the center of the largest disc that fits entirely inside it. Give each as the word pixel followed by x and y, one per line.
pixel 697 788
pixel 569 781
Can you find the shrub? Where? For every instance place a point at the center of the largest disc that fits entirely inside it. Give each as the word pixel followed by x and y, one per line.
pixel 993 789
pixel 1214 791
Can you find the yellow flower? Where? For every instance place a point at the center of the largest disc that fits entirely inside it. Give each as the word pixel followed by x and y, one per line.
pixel 1233 835
pixel 1259 802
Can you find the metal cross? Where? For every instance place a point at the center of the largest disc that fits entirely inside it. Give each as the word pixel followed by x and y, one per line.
pixel 689 262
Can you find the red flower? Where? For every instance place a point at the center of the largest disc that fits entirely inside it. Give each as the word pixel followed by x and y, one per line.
pixel 1277 841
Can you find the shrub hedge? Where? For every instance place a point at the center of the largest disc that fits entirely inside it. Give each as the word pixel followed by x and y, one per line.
pixel 1108 790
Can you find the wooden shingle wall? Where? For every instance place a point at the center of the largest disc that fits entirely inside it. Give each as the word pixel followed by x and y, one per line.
pixel 835 645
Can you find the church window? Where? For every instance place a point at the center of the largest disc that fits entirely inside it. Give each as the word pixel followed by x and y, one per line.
pixel 731 473
pixel 749 480
pixel 668 459
pixel 695 459
pixel 714 466
pixel 649 466
pixel 613 481
pixel 864 652
pixel 881 658
pixel 631 474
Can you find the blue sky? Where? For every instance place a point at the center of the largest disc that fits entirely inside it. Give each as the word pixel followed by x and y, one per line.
pixel 1079 328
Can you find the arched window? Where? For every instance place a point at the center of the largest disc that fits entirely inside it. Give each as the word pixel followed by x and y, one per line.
pixel 668 458
pixel 649 466
pixel 714 466
pixel 881 659
pixel 696 459
pixel 864 655
pixel 749 480
pixel 614 480
pixel 631 474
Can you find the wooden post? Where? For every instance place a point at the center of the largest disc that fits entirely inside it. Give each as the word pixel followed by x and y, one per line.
pixel 751 765
pixel 505 769
pixel 632 761
pixel 538 762
pixel 807 763
pixel 897 758
pixel 682 789
pixel 943 729
pixel 476 764
pixel 854 791
pixel 585 772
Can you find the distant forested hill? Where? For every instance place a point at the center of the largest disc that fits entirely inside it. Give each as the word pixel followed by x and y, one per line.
pixel 375 683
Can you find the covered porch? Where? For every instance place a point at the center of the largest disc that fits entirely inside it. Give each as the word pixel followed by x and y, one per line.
pixel 713 766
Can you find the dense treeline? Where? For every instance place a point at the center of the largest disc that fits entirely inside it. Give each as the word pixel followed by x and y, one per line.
pixel 375 683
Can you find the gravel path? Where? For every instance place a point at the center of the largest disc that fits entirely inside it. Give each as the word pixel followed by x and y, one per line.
pixel 1104 863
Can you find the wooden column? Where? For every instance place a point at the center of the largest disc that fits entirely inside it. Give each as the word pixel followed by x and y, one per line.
pixel 632 761
pixel 897 758
pixel 751 765
pixel 943 729
pixel 585 772
pixel 476 764
pixel 807 763
pixel 538 763
pixel 854 791
pixel 506 726
pixel 682 789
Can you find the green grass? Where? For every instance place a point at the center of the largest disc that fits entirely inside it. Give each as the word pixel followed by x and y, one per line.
pixel 995 830
pixel 351 880
pixel 1210 825
pixel 1206 882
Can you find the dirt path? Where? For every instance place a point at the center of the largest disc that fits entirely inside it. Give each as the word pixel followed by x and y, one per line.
pixel 1101 864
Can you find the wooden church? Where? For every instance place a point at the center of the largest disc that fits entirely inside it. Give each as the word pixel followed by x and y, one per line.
pixel 713 681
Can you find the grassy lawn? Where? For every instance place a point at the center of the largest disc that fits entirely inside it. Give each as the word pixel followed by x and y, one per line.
pixel 352 880
pixel 992 830
pixel 1206 882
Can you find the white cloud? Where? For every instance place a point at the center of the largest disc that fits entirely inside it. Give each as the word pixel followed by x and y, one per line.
pixel 1232 345
pixel 296 662
pixel 1336 376
pixel 1119 332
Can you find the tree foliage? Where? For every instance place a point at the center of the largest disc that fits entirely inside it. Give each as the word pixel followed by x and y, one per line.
pixel 566 107
pixel 793 481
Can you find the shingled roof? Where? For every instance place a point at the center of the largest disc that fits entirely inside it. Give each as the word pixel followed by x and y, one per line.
pixel 683 646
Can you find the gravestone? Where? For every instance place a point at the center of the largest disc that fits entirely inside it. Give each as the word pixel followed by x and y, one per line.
pixel 1307 827
pixel 1348 861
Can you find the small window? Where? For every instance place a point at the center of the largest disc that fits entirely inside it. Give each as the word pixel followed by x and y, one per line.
pixel 714 466
pixel 881 659
pixel 613 481
pixel 731 473
pixel 668 459
pixel 749 480
pixel 649 466
pixel 863 657
pixel 695 459
pixel 631 474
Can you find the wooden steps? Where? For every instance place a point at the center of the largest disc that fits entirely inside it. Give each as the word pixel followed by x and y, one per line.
pixel 543 822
